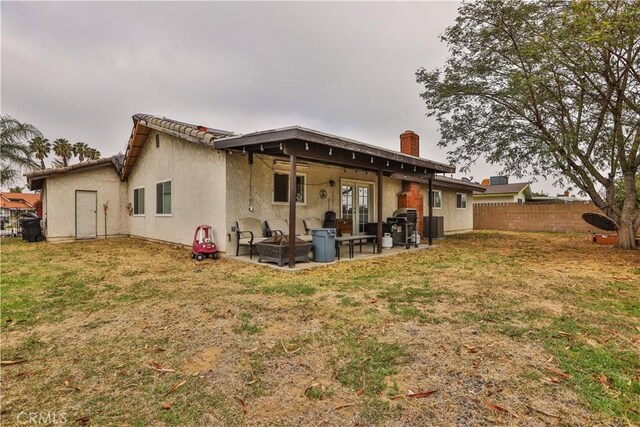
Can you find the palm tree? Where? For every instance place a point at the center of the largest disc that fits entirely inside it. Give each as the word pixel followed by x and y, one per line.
pixel 80 150
pixel 40 147
pixel 63 149
pixel 15 148
pixel 92 154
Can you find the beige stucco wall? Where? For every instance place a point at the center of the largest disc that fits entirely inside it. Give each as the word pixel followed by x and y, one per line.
pixel 501 199
pixel 317 178
pixel 197 175
pixel 455 220
pixel 59 202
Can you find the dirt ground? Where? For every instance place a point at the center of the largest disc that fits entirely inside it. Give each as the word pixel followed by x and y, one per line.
pixel 527 329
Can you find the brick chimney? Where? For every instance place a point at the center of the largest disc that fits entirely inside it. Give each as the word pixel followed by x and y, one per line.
pixel 410 143
pixel 411 197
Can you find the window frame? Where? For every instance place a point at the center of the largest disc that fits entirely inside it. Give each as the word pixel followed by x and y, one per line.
pixel 464 198
pixel 164 181
pixel 285 173
pixel 434 199
pixel 144 201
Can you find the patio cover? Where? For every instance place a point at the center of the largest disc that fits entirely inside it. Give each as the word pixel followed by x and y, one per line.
pixel 301 143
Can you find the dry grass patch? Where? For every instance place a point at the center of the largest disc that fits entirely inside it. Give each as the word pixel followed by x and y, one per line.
pixel 507 328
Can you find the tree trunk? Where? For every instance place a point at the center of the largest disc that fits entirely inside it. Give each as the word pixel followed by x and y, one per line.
pixel 629 219
pixel 626 235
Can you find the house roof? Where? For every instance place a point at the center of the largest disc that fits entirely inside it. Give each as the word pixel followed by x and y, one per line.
pixel 307 144
pixel 505 189
pixel 22 201
pixel 322 147
pixel 440 181
pixel 462 184
pixel 143 123
pixel 34 179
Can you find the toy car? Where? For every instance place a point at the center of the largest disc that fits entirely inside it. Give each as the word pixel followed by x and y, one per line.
pixel 203 244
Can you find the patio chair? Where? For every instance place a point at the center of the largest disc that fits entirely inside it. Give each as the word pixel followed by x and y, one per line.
pixel 248 232
pixel 302 232
pixel 277 227
pixel 312 222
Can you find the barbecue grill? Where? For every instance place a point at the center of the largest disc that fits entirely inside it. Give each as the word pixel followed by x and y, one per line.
pixel 403 226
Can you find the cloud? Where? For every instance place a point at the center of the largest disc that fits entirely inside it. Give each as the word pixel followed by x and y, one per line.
pixel 80 70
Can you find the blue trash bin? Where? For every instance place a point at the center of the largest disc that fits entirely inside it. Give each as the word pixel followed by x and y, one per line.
pixel 324 244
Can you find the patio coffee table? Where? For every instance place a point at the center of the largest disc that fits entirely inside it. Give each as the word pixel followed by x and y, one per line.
pixel 360 238
pixel 276 249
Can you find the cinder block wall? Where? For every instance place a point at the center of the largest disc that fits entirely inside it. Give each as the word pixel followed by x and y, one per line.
pixel 556 218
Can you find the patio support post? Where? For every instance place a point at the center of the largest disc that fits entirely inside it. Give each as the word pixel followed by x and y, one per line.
pixel 430 197
pixel 379 230
pixel 292 211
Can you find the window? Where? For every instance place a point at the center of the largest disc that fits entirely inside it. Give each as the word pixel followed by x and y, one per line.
pixel 461 201
pixel 163 198
pixel 281 188
pixel 437 199
pixel 138 201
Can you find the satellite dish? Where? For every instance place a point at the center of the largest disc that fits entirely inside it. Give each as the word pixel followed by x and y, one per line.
pixel 600 221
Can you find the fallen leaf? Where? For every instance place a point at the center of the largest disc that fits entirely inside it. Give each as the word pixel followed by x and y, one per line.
pixel 422 394
pixel 244 405
pixel 396 397
pixel 25 374
pixel 471 349
pixel 531 408
pixel 167 405
pixel 157 350
pixel 360 392
pixel 158 367
pixel 175 386
pixel 562 375
pixel 11 362
pixel 343 406
pixel 83 421
pixel 287 351
pixel 549 360
pixel 496 408
pixel 602 379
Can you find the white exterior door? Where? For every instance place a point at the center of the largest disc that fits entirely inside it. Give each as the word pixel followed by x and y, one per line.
pixel 357 204
pixel 86 214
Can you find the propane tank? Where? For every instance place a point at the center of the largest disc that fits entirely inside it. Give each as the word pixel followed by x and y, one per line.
pixel 387 241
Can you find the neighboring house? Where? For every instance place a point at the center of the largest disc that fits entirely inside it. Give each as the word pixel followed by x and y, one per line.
pixel 175 176
pixel 498 190
pixel 12 205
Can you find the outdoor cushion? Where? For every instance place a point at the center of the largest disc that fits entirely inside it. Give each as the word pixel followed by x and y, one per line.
pixel 305 237
pixel 312 222
pixel 250 224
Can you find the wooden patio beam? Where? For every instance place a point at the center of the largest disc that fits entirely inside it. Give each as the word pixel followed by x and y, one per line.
pixel 292 211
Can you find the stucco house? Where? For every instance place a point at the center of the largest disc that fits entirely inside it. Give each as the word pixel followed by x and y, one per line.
pixel 12 205
pixel 175 176
pixel 499 190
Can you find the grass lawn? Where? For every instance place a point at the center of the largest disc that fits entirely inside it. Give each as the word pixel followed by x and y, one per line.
pixel 505 328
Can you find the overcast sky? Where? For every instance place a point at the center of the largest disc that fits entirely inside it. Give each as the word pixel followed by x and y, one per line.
pixel 81 70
